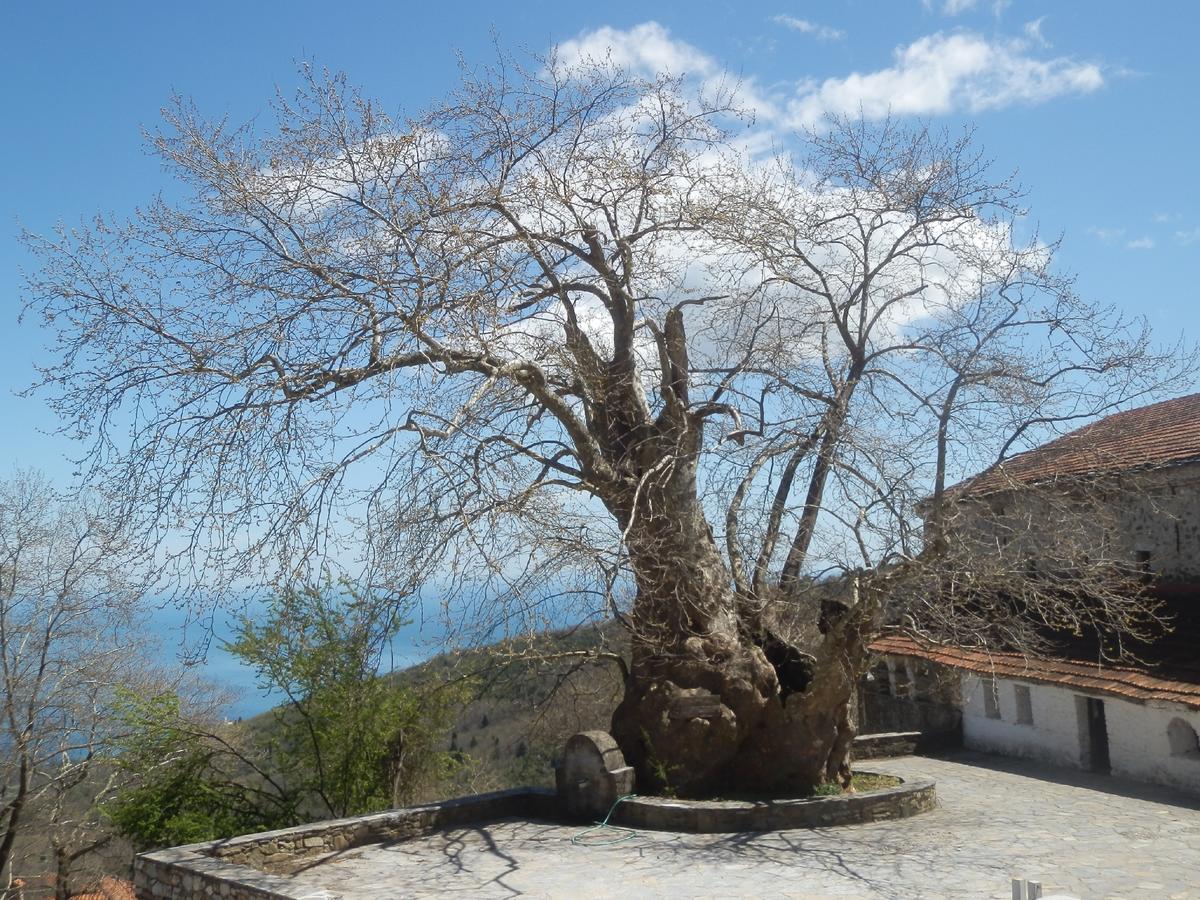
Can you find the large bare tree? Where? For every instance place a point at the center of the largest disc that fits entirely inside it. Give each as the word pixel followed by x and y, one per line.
pixel 559 338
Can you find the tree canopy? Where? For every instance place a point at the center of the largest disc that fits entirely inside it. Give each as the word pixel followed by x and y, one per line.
pixel 567 340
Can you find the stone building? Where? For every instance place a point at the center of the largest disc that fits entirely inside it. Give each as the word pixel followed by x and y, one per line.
pixel 1140 472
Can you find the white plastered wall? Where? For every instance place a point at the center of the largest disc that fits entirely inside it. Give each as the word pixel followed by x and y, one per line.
pixel 1138 743
pixel 1053 736
pixel 1139 747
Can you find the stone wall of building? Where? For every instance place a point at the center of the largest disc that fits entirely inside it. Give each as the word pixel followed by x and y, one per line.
pixel 1150 520
pixel 905 694
pixel 1162 518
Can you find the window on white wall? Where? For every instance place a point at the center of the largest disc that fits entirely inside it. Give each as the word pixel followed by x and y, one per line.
pixel 991 702
pixel 1024 704
pixel 1182 738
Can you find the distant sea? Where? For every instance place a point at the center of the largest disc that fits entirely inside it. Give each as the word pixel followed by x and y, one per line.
pixel 176 637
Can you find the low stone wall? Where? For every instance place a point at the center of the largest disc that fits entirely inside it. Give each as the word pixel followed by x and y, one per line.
pixel 887 744
pixel 715 816
pixel 250 867
pixel 904 743
pixel 255 866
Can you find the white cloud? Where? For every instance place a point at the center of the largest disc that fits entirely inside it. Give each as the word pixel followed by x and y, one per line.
pixel 647 49
pixel 1142 243
pixel 1105 234
pixel 820 32
pixel 1033 31
pixel 936 74
pixel 1164 217
pixel 943 73
pixel 1191 236
pixel 954 7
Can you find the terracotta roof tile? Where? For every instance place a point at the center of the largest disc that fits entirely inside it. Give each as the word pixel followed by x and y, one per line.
pixel 1132 684
pixel 109 888
pixel 1160 434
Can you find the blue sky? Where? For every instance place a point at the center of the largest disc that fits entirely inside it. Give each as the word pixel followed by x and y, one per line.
pixel 1093 103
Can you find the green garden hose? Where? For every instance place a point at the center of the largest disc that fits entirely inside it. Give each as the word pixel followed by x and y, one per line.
pixel 579 840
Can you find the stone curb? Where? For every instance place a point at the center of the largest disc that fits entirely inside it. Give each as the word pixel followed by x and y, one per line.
pixel 915 796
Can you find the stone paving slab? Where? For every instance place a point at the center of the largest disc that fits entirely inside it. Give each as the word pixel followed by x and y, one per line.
pixel 1077 833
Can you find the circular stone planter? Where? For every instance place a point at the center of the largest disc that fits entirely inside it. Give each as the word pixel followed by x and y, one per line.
pixel 712 816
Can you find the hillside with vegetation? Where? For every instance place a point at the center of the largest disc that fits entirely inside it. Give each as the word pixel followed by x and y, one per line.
pixel 519 702
pixel 529 697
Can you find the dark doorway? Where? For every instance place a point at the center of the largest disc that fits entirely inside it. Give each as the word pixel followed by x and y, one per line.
pixel 1097 736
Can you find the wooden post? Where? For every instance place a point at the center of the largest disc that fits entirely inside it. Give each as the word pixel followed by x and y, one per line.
pixel 1026 890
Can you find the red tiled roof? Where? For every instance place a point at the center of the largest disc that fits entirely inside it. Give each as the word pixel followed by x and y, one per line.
pixel 110 888
pixel 1133 684
pixel 1160 434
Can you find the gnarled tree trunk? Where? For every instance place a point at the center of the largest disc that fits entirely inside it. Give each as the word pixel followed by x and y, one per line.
pixel 713 701
pixel 705 712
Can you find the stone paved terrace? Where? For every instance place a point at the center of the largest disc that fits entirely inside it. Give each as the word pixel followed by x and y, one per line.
pixel 1087 835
